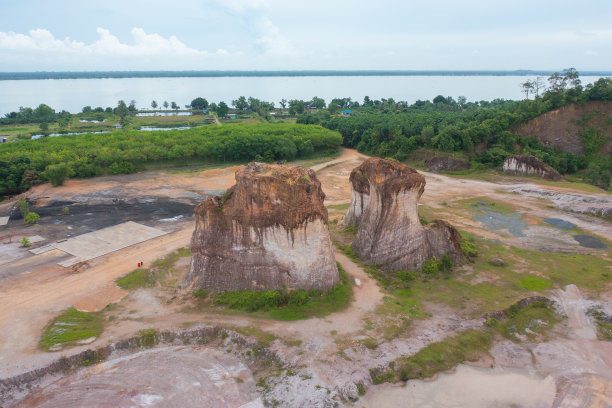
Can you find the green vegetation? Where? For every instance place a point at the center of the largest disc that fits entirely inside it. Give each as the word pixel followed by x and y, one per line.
pixel 263 338
pixel 535 284
pixel 530 323
pixel 440 356
pixel 25 242
pixel 389 128
pixel 147 338
pixel 200 293
pixel 138 278
pixel 31 218
pixel 58 173
pixel 295 305
pixel 145 278
pixel 127 151
pixel 70 327
pixel 24 206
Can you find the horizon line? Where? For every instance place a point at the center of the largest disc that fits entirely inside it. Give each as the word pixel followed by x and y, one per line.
pixel 101 74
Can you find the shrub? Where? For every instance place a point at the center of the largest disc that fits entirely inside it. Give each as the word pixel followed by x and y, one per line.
pixel 200 293
pixel 31 218
pixel 24 207
pixel 25 242
pixel 65 210
pixel 58 173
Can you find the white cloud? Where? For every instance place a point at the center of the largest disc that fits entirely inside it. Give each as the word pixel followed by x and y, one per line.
pixel 272 41
pixel 39 40
pixel 107 44
pixel 243 5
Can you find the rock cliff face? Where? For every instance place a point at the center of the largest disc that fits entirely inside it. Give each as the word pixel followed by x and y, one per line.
pixel 446 163
pixel 384 199
pixel 529 166
pixel 269 231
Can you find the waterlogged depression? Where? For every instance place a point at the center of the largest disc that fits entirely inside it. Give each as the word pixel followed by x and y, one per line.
pixel 469 387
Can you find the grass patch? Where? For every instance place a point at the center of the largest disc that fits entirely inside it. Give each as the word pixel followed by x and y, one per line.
pixel 139 278
pixel 263 338
pixel 535 284
pixel 295 305
pixel 440 356
pixel 146 278
pixel 70 327
pixel 339 207
pixel 530 322
pixel 473 203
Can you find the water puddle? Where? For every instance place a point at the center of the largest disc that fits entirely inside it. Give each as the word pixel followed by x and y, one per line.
pixel 92 121
pixel 468 387
pixel 34 137
pixel 153 129
pixel 590 241
pixel 164 114
pixel 496 220
pixel 559 223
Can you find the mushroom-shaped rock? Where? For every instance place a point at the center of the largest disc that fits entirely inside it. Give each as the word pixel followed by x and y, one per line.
pixel 384 204
pixel 269 231
pixel 529 166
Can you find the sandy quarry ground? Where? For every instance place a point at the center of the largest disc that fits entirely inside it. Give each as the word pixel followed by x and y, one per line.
pixel 34 288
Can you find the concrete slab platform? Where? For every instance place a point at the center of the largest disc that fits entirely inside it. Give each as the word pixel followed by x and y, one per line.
pixel 94 244
pixel 4 220
pixel 42 249
pixel 35 238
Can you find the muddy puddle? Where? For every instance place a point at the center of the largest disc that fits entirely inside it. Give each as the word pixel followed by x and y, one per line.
pixel 496 220
pixel 590 241
pixel 559 223
pixel 468 387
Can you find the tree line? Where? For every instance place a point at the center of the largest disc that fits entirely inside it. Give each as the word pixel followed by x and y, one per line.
pixel 55 159
pixel 482 131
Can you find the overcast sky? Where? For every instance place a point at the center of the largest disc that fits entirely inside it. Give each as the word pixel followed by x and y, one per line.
pixel 78 35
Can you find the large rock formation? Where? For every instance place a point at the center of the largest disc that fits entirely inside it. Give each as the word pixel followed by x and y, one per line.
pixel 529 166
pixel 384 199
pixel 269 231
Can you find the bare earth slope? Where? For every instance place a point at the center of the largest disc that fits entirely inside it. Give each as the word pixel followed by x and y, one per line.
pixel 560 129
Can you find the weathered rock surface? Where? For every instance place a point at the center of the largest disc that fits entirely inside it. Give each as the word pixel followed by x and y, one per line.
pixel 529 166
pixel 446 163
pixel 269 231
pixel 384 199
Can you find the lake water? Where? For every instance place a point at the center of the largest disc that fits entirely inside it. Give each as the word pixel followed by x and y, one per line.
pixel 73 94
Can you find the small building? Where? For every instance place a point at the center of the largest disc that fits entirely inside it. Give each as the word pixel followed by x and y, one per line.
pixel 118 126
pixel 204 110
pixel 346 112
pixel 231 116
pixel 208 121
pixel 3 140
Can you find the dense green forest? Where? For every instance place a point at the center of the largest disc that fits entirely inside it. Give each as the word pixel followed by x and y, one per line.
pixel 53 159
pixel 481 131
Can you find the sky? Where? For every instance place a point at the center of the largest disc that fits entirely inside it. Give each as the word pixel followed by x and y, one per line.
pixel 77 35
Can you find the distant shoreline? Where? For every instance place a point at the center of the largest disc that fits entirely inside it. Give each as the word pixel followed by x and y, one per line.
pixel 7 76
